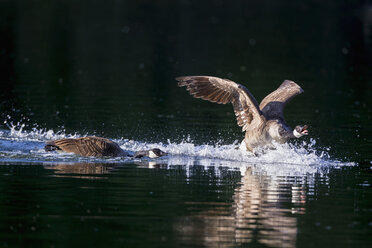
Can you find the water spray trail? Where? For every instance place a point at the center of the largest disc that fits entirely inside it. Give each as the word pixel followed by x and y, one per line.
pixel 304 157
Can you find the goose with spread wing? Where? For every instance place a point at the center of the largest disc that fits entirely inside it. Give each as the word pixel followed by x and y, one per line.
pixel 262 123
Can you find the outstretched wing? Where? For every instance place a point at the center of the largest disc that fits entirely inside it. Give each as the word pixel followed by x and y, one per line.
pixel 224 91
pixel 88 146
pixel 272 106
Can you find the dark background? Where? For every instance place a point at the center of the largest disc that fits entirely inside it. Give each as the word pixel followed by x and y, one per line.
pixel 108 67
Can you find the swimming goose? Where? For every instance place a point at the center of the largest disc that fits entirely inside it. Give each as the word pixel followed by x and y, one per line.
pixel 153 153
pixel 262 123
pixel 97 147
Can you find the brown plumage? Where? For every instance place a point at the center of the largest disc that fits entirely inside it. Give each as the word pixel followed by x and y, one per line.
pixel 93 146
pixel 87 146
pixel 224 91
pixel 262 123
pixel 273 104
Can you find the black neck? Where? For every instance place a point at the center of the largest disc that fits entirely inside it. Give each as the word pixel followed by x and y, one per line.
pixel 140 154
pixel 286 132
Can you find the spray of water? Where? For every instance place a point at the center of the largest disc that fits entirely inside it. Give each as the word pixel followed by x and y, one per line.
pixel 17 132
pixel 301 158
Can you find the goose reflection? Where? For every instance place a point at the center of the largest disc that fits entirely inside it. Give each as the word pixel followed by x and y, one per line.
pixel 81 170
pixel 84 168
pixel 150 164
pixel 262 212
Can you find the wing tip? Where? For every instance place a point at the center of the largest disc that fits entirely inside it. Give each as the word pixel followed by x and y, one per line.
pixel 186 80
pixel 182 81
pixel 181 78
pixel 290 83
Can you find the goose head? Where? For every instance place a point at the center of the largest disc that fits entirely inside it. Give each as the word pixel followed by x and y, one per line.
pixel 152 153
pixel 156 152
pixel 300 131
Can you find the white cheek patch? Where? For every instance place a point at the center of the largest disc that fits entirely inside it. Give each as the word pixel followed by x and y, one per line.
pixel 152 155
pixel 274 132
pixel 243 146
pixel 277 132
pixel 296 134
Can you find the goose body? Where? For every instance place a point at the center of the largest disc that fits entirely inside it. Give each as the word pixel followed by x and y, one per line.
pixel 262 123
pixel 92 146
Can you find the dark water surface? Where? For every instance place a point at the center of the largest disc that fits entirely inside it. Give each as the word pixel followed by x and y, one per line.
pixel 76 68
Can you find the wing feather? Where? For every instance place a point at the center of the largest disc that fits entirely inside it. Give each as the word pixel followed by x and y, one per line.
pixel 222 91
pixel 272 106
pixel 88 146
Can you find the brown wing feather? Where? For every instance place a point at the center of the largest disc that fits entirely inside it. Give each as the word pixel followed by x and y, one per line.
pixel 88 146
pixel 224 91
pixel 273 104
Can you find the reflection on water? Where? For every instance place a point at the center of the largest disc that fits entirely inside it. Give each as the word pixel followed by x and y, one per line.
pixel 175 205
pixel 150 164
pixel 262 211
pixel 80 170
pixel 94 169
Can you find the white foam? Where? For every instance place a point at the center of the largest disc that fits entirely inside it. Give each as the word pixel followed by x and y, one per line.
pixel 285 159
pixel 17 132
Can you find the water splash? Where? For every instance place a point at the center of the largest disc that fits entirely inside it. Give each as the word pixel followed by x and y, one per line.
pixel 291 159
pixel 286 159
pixel 17 132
